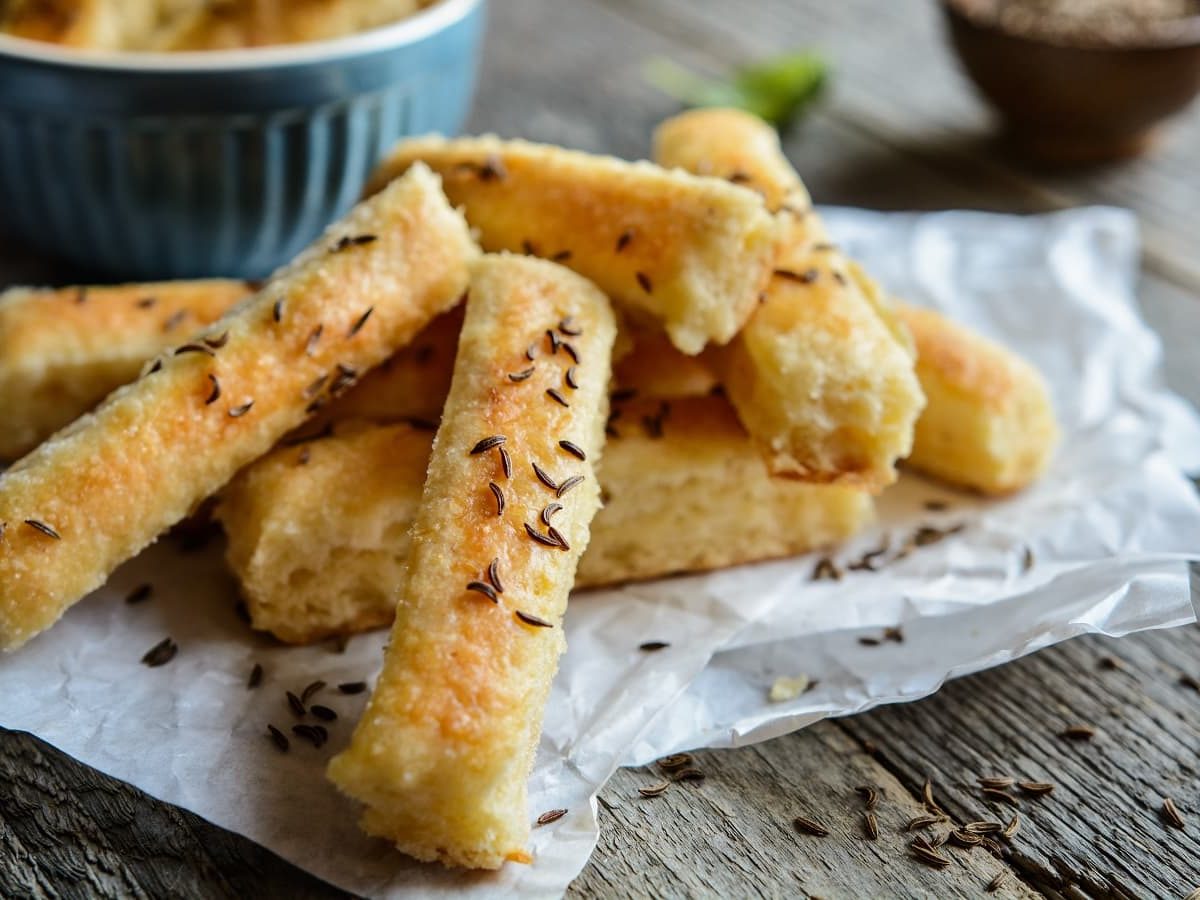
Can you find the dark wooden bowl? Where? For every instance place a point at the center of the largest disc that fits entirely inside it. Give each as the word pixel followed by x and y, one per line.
pixel 1067 103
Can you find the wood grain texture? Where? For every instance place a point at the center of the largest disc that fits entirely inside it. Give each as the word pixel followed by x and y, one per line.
pixel 900 129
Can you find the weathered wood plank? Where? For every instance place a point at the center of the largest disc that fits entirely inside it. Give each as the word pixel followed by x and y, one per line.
pixel 735 828
pixel 69 831
pixel 1101 829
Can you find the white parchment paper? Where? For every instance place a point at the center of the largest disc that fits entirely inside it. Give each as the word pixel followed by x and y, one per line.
pixel 1110 528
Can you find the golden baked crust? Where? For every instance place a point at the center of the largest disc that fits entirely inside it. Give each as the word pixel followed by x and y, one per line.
pixel 685 490
pixel 692 253
pixel 319 531
pixel 409 386
pixel 64 350
pixel 257 23
pixel 105 487
pixel 652 367
pixel 989 424
pixel 444 748
pixel 318 534
pixel 95 24
pixel 818 374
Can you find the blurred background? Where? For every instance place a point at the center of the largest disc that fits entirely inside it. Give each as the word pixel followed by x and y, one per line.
pixel 1015 105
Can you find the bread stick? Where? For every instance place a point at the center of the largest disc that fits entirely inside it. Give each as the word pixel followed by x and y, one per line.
pixel 106 486
pixel 989 424
pixel 318 534
pixel 64 350
pixel 261 23
pixel 444 748
pixel 691 253
pixel 820 375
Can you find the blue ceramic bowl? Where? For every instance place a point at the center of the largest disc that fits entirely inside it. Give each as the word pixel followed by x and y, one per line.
pixel 184 165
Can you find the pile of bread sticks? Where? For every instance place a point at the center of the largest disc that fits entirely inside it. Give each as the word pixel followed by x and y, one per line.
pixel 406 425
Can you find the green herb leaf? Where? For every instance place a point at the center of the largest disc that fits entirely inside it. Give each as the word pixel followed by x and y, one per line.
pixel 778 89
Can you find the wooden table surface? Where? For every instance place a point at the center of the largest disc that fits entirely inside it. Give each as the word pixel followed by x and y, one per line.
pixel 900 129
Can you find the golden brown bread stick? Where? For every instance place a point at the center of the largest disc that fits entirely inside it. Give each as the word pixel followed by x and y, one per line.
pixel 105 487
pixel 819 375
pixel 443 751
pixel 264 23
pixel 691 253
pixel 64 350
pixel 989 424
pixel 318 533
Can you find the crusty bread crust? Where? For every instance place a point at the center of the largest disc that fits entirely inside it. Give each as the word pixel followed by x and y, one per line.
pixel 411 385
pixel 989 425
pixel 318 534
pixel 820 374
pixel 105 487
pixel 685 490
pixel 64 350
pixel 261 23
pixel 691 253
pixel 444 748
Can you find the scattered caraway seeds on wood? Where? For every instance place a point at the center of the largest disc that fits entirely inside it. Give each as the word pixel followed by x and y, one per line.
pixel 256 677
pixel 279 738
pixel 311 690
pixel 1078 733
pixel 296 704
pixel 139 594
pixel 998 782
pixel 651 646
pixel 352 687
pixel 869 794
pixel 928 857
pixel 983 827
pixel 1011 828
pixel 871 825
pixel 550 815
pixel 996 883
pixel 655 790
pixel 964 838
pixel 324 713
pixel 999 796
pixel 930 803
pixel 808 826
pixel 690 773
pixel 1035 787
pixel 922 822
pixel 161 653
pixel 675 761
pixel 1172 814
